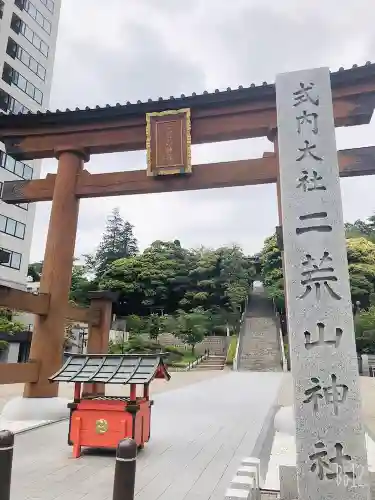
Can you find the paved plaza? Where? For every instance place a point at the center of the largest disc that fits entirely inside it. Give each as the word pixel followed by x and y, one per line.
pixel 199 435
pixel 178 379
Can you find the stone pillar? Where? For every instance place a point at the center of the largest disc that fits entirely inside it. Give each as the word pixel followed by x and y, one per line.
pixel 330 442
pixel 98 338
pixel 48 335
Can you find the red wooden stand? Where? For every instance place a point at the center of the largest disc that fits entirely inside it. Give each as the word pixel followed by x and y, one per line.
pixel 103 421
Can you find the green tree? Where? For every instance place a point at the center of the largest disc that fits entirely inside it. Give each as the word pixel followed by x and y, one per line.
pixel 35 271
pixel 169 324
pixel 154 280
pixel 364 323
pixel 8 324
pixel 154 326
pixel 361 260
pixel 272 272
pixel 118 242
pixel 191 327
pixel 361 229
pixel 81 285
pixel 221 279
pixel 135 324
pixel 167 277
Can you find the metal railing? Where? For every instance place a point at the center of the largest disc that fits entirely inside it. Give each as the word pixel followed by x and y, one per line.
pixel 283 358
pixel 194 363
pixel 237 356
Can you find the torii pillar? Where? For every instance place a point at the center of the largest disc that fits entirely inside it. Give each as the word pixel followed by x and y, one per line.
pixel 48 336
pixel 98 338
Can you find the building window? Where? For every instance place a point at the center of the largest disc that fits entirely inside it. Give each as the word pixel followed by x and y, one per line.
pixel 13 77
pixel 21 28
pixel 33 12
pixel 9 103
pixel 16 167
pixel 50 4
pixel 12 227
pixel 1 9
pixel 17 52
pixel 14 259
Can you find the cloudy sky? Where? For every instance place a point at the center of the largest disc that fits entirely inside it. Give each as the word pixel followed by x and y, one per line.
pixel 118 51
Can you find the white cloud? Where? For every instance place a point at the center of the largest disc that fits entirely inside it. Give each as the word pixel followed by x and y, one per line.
pixel 112 53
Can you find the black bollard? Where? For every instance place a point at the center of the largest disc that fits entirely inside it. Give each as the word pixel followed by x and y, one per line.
pixel 124 483
pixel 6 459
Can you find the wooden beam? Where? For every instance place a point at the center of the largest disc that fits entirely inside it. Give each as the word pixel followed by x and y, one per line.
pixel 24 301
pixel 19 300
pixel 223 120
pixel 19 373
pixel 89 315
pixel 353 162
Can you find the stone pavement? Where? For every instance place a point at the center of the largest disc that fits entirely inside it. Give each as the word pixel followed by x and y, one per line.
pixel 200 433
pixel 179 379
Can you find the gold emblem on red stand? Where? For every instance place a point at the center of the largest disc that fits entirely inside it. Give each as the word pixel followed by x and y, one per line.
pixel 101 426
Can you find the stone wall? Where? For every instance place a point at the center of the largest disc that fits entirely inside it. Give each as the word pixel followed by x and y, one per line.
pixel 217 345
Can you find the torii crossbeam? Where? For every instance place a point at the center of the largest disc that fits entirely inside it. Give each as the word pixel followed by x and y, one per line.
pixel 353 163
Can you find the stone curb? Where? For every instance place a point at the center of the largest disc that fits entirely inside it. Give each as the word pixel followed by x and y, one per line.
pixel 245 484
pixel 251 474
pixel 39 425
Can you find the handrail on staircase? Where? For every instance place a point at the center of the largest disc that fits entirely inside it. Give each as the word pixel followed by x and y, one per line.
pixel 240 335
pixel 280 339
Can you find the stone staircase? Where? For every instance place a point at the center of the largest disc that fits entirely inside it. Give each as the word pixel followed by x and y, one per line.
pixel 211 363
pixel 259 348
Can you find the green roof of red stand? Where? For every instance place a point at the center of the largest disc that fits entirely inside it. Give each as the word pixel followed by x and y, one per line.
pixel 112 369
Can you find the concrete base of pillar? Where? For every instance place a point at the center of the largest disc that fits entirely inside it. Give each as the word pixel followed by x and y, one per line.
pixel 284 421
pixel 35 409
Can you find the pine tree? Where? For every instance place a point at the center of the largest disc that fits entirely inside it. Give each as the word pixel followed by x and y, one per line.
pixel 118 242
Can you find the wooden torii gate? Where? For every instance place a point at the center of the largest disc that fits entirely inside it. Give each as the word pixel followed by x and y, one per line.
pixel 166 128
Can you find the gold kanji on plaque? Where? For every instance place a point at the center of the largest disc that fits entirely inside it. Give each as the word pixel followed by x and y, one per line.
pixel 168 142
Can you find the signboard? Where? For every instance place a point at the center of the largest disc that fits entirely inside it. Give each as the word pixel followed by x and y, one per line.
pixel 168 142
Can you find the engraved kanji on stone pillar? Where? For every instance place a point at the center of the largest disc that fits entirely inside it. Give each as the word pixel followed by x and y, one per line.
pixel 330 441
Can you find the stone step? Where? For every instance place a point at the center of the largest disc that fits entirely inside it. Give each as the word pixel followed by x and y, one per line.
pixel 211 363
pixel 259 344
pixel 208 367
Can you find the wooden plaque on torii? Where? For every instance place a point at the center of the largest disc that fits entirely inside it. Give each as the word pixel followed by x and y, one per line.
pixel 168 142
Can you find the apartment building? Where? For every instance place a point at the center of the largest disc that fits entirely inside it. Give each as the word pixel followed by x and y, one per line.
pixel 28 32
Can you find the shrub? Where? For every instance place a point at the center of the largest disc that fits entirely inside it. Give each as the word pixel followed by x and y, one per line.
pixel 138 345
